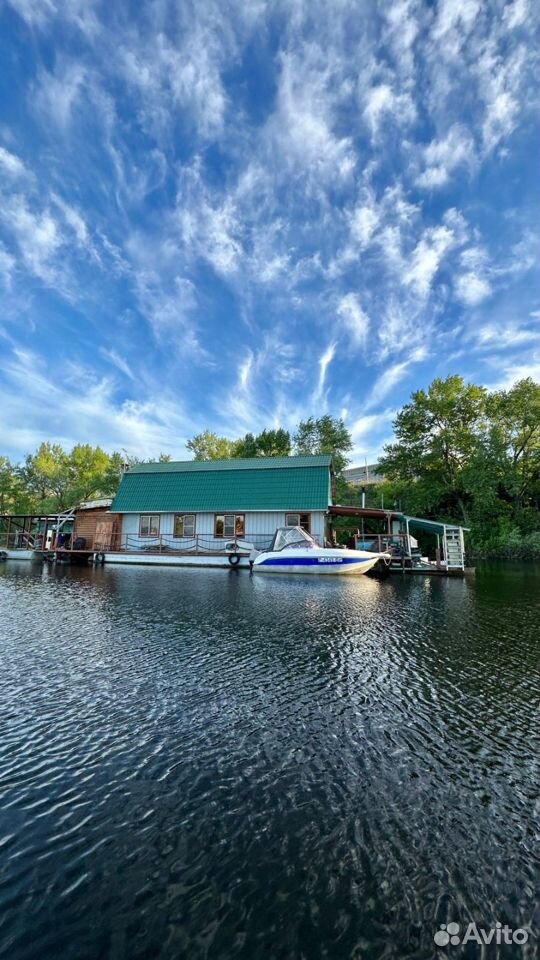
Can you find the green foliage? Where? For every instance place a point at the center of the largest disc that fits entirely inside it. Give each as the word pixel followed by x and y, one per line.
pixel 325 435
pixel 436 435
pixel 53 479
pixel 463 454
pixel 269 443
pixel 209 446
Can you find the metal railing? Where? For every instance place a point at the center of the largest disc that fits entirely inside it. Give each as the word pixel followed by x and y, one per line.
pixel 380 542
pixel 15 540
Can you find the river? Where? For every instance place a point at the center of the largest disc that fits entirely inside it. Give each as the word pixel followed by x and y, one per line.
pixel 213 764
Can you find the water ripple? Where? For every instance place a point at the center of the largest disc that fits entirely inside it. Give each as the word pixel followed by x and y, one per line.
pixel 208 764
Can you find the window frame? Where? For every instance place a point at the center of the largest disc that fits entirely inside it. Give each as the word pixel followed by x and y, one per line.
pixel 148 516
pixel 299 514
pixel 236 517
pixel 182 516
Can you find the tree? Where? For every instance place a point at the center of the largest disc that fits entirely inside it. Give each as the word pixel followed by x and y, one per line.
pixel 246 447
pixel 209 446
pixel 87 468
pixel 46 478
pixel 514 441
pixel 325 435
pixel 274 443
pixel 269 443
pixel 13 497
pixel 437 434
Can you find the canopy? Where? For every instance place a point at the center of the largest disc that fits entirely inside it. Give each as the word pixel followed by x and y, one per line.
pixel 291 537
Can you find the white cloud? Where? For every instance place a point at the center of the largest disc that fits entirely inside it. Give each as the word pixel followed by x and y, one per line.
pixel 324 362
pixel 509 371
pixel 455 18
pixel 427 257
pixel 11 164
pixel 365 219
pixel 402 328
pixel 40 13
pixel 85 410
pixel 382 103
pixel 472 289
pixel 301 131
pixel 245 371
pixel 355 320
pixel 7 266
pixel 57 93
pixel 473 286
pixel 500 78
pixel 503 337
pixel 187 75
pixel 386 382
pixel 515 14
pixel 39 238
pixel 209 225
pixel 118 361
pixel 441 158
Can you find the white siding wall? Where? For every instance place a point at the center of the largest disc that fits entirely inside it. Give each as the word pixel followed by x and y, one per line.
pixel 258 524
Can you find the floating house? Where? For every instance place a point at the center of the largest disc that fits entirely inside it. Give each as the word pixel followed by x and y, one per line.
pixel 196 507
pixel 214 512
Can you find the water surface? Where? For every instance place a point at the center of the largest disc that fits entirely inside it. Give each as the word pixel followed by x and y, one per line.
pixel 209 764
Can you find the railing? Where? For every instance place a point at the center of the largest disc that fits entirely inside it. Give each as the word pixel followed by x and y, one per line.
pixel 15 540
pixel 198 545
pixel 398 543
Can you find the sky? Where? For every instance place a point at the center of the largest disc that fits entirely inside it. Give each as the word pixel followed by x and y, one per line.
pixel 235 214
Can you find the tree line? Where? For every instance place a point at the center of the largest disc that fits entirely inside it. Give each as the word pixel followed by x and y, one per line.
pixel 53 479
pixel 460 453
pixel 324 434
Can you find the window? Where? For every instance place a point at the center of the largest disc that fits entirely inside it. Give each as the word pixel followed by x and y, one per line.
pixel 149 525
pixel 299 520
pixel 230 525
pixel 184 525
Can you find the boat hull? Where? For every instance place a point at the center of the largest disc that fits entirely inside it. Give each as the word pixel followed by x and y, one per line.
pixel 325 562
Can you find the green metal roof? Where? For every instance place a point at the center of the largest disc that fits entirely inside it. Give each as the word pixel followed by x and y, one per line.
pixel 434 526
pixel 198 486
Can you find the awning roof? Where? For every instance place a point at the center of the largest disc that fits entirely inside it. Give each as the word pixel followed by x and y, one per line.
pixel 369 512
pixel 434 526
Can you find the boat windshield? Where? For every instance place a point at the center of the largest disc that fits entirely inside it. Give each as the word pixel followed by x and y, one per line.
pixel 286 537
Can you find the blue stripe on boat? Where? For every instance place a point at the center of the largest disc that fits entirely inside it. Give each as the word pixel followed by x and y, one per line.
pixel 310 561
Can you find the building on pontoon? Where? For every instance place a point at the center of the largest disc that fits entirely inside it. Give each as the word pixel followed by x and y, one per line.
pixel 201 511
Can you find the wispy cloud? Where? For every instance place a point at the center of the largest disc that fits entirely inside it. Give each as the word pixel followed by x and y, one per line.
pixel 354 318
pixel 248 209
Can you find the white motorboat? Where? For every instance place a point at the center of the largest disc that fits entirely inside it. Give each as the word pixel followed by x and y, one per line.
pixel 295 551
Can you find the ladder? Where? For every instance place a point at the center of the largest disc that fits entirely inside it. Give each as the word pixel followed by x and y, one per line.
pixel 453 548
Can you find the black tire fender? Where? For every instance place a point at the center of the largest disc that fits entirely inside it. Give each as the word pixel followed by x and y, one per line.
pixel 234 559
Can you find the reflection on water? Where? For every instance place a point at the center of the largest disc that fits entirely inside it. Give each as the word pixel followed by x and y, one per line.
pixel 211 764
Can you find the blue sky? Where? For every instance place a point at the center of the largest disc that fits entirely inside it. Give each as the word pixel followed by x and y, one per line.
pixel 232 214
